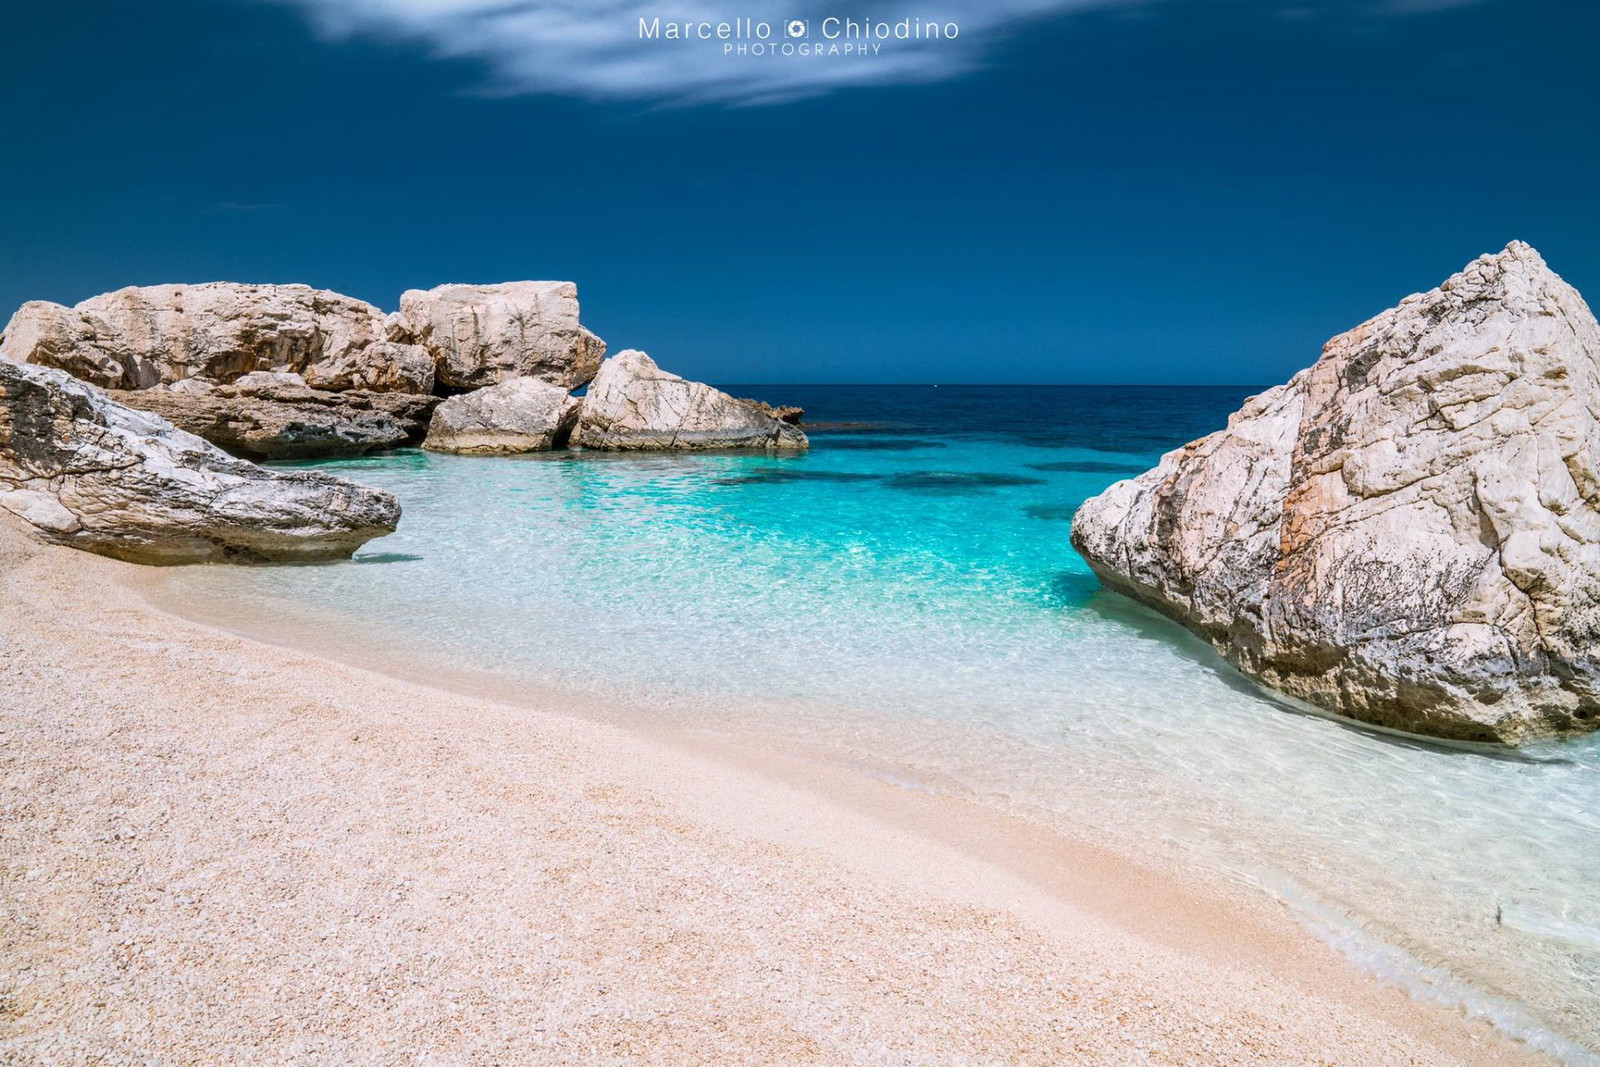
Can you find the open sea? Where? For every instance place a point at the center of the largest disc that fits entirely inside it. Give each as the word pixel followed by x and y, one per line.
pixel 905 596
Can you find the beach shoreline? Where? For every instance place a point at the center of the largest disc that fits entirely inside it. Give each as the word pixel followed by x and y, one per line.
pixel 222 849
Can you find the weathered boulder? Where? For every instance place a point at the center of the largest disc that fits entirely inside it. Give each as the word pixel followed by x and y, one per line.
pixel 273 415
pixel 1407 533
pixel 519 415
pixel 485 334
pixel 85 471
pixel 633 404
pixel 381 367
pixel 136 338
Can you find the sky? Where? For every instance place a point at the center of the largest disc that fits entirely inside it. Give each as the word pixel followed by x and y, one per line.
pixel 1098 191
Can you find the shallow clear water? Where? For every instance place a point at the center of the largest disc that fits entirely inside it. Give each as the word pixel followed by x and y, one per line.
pixel 907 591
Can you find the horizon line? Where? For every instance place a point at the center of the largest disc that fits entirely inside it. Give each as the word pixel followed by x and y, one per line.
pixel 1004 385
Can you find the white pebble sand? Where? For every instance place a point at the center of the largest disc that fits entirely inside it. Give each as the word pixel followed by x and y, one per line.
pixel 215 850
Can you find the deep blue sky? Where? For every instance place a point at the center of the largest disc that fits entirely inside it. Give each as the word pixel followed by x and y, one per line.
pixel 1184 191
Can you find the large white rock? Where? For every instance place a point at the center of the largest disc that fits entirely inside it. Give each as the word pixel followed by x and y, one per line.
pixel 520 415
pixel 136 337
pixel 633 404
pixel 85 471
pixel 485 334
pixel 1407 533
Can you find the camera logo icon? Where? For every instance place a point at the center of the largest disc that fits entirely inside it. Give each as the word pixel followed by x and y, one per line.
pixel 795 28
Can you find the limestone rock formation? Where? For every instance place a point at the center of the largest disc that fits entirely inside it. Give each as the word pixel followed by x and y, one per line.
pixel 85 471
pixel 519 415
pixel 633 404
pixel 273 415
pixel 485 334
pixel 136 338
pixel 381 367
pixel 1406 533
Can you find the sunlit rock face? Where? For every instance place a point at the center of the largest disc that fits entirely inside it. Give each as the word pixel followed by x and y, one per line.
pixel 482 335
pixel 1406 533
pixel 635 405
pixel 140 337
pixel 85 471
pixel 520 415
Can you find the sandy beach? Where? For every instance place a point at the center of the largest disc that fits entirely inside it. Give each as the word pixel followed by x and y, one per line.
pixel 217 850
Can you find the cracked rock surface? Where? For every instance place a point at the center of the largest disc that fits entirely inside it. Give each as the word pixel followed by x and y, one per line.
pixel 139 337
pixel 482 335
pixel 633 404
pixel 520 415
pixel 85 471
pixel 1406 533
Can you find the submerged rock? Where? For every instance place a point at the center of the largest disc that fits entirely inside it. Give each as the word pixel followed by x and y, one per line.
pixel 958 481
pixel 275 416
pixel 520 415
pixel 482 335
pixel 633 404
pixel 1407 533
pixel 140 337
pixel 85 471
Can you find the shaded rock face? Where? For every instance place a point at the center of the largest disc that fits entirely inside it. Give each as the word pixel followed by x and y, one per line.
pixel 136 338
pixel 268 415
pixel 482 335
pixel 633 404
pixel 87 472
pixel 520 415
pixel 1406 533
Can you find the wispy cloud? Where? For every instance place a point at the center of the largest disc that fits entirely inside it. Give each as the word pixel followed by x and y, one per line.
pixel 592 48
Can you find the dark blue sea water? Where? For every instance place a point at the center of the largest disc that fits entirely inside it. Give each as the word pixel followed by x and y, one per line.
pixel 906 595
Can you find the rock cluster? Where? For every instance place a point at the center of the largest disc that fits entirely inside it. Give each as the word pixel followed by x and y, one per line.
pixel 1407 533
pixel 85 471
pixel 291 372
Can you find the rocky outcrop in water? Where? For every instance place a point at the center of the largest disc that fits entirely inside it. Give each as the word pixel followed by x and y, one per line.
pixel 84 471
pixel 363 380
pixel 136 338
pixel 482 335
pixel 1407 533
pixel 520 415
pixel 291 372
pixel 633 405
pixel 274 415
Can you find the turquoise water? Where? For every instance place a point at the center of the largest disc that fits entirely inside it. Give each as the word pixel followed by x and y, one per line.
pixel 906 593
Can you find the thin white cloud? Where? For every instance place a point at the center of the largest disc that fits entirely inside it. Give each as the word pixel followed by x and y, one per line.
pixel 592 48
